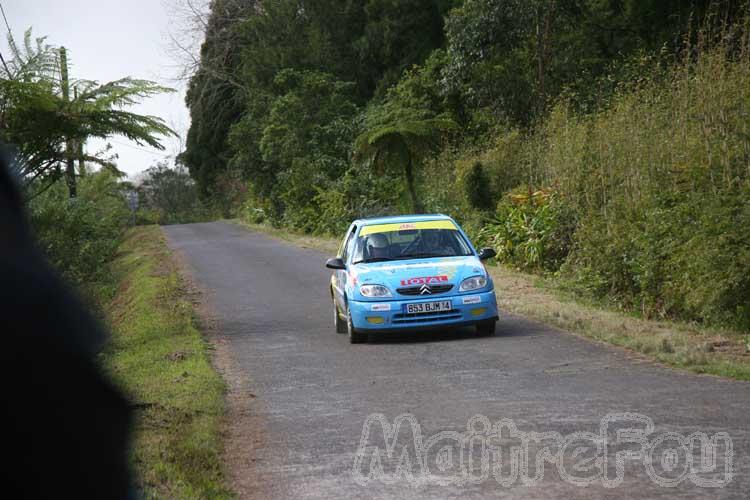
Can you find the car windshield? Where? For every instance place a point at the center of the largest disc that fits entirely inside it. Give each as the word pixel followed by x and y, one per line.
pixel 409 244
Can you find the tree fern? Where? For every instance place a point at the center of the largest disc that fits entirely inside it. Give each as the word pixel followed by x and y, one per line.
pixel 38 122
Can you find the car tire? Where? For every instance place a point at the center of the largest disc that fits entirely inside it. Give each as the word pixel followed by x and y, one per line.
pixel 355 337
pixel 486 328
pixel 339 323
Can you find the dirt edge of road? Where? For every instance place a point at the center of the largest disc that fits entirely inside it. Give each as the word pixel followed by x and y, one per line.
pixel 677 345
pixel 243 429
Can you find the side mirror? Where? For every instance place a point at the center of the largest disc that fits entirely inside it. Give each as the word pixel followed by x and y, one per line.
pixel 335 264
pixel 487 253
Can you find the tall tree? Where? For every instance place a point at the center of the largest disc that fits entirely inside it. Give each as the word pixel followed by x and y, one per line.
pixel 304 140
pixel 511 57
pixel 171 192
pixel 216 93
pixel 396 36
pixel 42 122
pixel 399 138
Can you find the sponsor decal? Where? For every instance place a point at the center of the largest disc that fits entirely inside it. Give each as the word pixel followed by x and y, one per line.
pixel 381 307
pixel 353 279
pixel 425 280
pixel 476 299
pixel 402 226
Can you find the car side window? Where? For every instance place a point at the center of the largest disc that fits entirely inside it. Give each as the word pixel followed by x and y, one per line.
pixel 348 244
pixel 342 247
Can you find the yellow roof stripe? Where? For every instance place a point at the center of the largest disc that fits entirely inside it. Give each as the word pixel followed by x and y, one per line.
pixel 405 226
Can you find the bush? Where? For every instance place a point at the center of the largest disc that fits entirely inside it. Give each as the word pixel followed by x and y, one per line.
pixel 710 266
pixel 688 259
pixel 255 215
pixel 358 194
pixel 532 231
pixel 477 188
pixel 80 236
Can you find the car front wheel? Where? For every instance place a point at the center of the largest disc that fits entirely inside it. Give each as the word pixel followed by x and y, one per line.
pixel 355 337
pixel 339 323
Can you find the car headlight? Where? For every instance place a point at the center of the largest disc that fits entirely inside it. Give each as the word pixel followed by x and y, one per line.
pixel 374 291
pixel 473 283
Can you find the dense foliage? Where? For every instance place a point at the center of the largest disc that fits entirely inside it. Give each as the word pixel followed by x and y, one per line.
pixel 603 141
pixel 168 195
pixel 80 236
pixel 531 230
pixel 662 180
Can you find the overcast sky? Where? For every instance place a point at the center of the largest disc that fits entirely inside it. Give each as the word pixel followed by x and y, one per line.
pixel 108 40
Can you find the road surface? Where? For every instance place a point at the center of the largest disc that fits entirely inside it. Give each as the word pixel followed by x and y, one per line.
pixel 309 394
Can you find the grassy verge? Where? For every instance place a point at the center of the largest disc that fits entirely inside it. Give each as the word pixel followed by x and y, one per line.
pixel 716 352
pixel 161 361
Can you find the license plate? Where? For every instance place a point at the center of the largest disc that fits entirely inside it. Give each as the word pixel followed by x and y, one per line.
pixel 428 307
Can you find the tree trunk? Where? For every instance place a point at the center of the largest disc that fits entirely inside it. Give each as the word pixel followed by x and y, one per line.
pixel 70 173
pixel 79 147
pixel 82 172
pixel 70 150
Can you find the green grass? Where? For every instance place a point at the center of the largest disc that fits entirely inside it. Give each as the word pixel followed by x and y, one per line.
pixel 159 358
pixel 711 351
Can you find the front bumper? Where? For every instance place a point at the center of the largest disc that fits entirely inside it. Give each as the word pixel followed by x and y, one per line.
pixel 389 315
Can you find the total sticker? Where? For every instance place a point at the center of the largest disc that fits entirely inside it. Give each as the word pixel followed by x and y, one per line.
pixel 475 299
pixel 381 307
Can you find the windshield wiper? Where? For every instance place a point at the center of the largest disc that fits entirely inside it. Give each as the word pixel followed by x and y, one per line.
pixel 423 255
pixel 372 259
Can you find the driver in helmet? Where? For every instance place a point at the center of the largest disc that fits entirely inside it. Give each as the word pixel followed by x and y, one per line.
pixel 378 246
pixel 432 241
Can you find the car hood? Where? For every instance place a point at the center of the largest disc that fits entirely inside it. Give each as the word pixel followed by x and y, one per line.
pixel 405 273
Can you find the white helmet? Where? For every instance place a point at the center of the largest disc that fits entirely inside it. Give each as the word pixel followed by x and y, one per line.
pixel 377 240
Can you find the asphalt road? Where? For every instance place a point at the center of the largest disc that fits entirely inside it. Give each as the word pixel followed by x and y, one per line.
pixel 312 392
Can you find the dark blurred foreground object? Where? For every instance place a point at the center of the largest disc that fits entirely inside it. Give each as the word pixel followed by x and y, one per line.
pixel 65 428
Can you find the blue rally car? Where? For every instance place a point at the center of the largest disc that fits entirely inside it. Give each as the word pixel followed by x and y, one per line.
pixel 410 272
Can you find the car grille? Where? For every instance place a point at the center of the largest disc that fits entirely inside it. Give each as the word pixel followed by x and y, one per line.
pixel 417 290
pixel 423 318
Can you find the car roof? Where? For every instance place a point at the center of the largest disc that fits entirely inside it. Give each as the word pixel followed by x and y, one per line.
pixel 395 219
